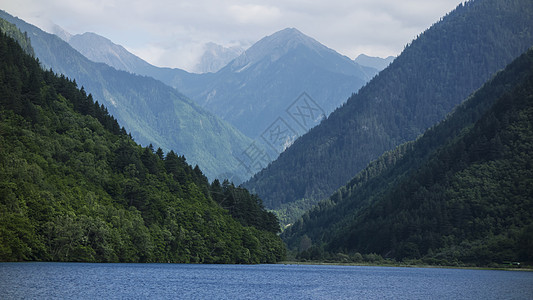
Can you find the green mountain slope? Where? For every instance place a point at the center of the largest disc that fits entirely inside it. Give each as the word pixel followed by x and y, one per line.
pixel 461 193
pixel 23 39
pixel 432 75
pixel 75 187
pixel 153 112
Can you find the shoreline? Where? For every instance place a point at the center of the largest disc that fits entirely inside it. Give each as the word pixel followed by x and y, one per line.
pixel 400 265
pixel 309 263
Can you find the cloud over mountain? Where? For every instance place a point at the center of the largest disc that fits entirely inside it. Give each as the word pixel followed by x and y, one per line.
pixel 169 33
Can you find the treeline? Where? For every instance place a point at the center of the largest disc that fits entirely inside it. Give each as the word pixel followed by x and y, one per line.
pixel 460 194
pixel 432 75
pixel 74 186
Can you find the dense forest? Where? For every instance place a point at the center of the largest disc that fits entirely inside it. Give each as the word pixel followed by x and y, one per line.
pixel 460 194
pixel 74 186
pixel 432 75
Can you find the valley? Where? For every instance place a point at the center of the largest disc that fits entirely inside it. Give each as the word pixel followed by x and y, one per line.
pixel 285 149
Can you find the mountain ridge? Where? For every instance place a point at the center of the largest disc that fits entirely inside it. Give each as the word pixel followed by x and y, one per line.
pixel 273 46
pixel 374 62
pixel 104 50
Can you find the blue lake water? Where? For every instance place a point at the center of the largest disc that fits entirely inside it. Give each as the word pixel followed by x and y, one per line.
pixel 178 281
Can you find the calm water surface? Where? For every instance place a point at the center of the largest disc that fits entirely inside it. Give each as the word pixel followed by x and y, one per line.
pixel 176 281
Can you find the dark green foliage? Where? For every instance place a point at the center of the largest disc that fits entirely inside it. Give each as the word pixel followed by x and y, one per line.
pixel 74 186
pixel 246 208
pixel 460 194
pixel 433 74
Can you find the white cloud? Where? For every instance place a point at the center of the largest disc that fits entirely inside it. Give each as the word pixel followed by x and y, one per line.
pixel 171 32
pixel 185 56
pixel 254 14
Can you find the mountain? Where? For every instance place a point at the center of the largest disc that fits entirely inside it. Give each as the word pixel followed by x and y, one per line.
pixel 74 186
pixel 215 57
pixel 99 49
pixel 153 112
pixel 377 63
pixel 433 74
pixel 258 88
pixel 460 194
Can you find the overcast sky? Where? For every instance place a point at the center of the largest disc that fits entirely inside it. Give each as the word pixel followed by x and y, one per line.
pixel 172 32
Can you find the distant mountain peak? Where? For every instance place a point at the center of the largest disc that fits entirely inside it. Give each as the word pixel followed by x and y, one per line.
pixel 95 38
pixel 215 57
pixel 274 46
pixel 374 62
pixel 290 33
pixel 101 49
pixel 60 32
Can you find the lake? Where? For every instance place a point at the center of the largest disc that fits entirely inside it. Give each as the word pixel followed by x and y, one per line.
pixel 181 281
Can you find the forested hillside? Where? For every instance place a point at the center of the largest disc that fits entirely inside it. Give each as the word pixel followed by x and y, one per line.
pixel 460 194
pixel 433 74
pixel 74 186
pixel 151 111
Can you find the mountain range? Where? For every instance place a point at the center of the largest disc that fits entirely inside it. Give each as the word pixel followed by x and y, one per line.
pixel 257 87
pixel 259 92
pixel 153 112
pixel 261 84
pixel 433 74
